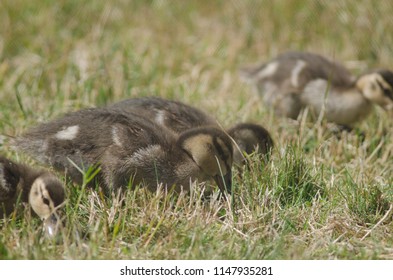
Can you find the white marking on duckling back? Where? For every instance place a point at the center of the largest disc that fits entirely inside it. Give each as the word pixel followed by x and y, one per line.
pixel 300 64
pixel 160 117
pixel 115 136
pixel 268 70
pixel 68 133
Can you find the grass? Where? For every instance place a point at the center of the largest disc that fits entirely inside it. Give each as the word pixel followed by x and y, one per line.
pixel 320 196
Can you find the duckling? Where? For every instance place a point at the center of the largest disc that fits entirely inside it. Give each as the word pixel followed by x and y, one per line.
pixel 130 149
pixel 178 117
pixel 295 80
pixel 40 188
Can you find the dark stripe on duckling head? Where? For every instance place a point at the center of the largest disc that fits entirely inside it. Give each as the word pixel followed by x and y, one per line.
pixel 55 190
pixel 225 156
pixel 387 75
pixel 44 199
pixel 223 145
pixel 386 91
pixel 215 136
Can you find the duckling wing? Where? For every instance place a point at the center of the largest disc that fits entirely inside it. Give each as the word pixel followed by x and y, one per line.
pixel 141 152
pixel 123 167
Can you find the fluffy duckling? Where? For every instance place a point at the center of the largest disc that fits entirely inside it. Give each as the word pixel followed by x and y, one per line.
pixel 43 191
pixel 295 80
pixel 178 117
pixel 130 149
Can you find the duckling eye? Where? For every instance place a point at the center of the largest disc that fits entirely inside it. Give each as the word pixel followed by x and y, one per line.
pixel 45 200
pixel 388 93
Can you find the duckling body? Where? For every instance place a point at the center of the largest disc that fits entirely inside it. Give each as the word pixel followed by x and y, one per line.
pixel 295 80
pixel 19 182
pixel 179 117
pixel 130 148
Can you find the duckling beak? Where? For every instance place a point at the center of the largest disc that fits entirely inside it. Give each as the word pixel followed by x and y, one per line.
pixel 51 225
pixel 224 183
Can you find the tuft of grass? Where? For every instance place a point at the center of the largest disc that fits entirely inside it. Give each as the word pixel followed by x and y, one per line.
pixel 366 203
pixel 295 182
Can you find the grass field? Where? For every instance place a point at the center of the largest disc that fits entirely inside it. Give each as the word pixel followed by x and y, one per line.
pixel 320 197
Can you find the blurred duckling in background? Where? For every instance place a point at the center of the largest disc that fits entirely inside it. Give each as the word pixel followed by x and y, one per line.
pixel 40 188
pixel 130 149
pixel 295 80
pixel 179 117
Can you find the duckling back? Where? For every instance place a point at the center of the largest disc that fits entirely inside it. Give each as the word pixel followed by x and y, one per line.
pixel 292 71
pixel 173 115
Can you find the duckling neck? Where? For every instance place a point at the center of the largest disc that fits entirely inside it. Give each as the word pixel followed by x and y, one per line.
pixel 186 173
pixel 348 107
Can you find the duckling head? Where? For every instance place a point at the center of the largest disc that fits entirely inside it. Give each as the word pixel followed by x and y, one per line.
pixel 250 138
pixel 378 87
pixel 46 194
pixel 211 149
